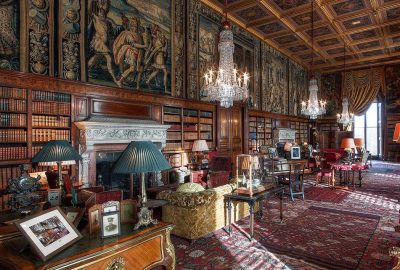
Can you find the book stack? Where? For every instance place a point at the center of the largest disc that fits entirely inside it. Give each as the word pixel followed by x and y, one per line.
pixel 12 153
pixel 12 120
pixel 13 135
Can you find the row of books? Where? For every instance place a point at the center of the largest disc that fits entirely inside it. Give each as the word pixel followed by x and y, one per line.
pixel 50 121
pixel 12 135
pixel 8 92
pixel 17 105
pixel 36 149
pixel 50 96
pixel 12 120
pixel 44 135
pixel 12 153
pixel 51 108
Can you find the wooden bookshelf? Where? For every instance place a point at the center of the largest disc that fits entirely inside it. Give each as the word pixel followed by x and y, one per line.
pixel 187 125
pixel 50 118
pixel 13 124
pixel 260 132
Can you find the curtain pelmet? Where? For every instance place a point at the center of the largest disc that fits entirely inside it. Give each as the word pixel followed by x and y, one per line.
pixel 362 87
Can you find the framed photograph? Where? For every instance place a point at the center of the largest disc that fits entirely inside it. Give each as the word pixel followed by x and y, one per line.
pixel 129 211
pixel 111 206
pixel 295 152
pixel 54 197
pixel 94 214
pixel 74 214
pixel 110 224
pixel 48 232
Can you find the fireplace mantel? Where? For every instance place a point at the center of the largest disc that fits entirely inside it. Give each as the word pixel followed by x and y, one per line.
pixel 110 130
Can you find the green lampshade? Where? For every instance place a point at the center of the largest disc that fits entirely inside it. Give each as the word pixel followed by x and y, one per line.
pixel 141 157
pixel 57 150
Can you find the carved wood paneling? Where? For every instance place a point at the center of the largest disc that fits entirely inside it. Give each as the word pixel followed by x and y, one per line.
pixel 131 110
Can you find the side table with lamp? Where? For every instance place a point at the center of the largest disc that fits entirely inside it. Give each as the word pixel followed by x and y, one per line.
pixel 57 151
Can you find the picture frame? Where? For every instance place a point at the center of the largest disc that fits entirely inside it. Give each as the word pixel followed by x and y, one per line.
pixel 129 211
pixel 110 206
pixel 54 196
pixel 110 224
pixel 44 241
pixel 94 215
pixel 74 214
pixel 295 152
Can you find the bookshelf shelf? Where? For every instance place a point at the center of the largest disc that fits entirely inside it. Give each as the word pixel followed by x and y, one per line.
pixel 187 125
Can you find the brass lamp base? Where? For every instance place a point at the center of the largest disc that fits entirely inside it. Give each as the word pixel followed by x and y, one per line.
pixel 145 218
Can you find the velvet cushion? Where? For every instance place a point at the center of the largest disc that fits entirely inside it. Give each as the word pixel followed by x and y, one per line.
pixel 190 188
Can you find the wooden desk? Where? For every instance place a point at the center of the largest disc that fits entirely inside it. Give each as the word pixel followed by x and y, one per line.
pixel 143 249
pixel 251 200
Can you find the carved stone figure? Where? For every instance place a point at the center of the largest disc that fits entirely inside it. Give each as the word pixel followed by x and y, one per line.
pixel 101 37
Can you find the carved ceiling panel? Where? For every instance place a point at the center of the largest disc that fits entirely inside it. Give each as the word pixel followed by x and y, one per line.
pixel 369 29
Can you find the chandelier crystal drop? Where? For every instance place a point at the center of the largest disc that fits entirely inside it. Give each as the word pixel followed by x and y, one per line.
pixel 345 117
pixel 313 107
pixel 225 85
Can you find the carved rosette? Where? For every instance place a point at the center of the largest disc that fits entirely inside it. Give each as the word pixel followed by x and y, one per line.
pixel 170 247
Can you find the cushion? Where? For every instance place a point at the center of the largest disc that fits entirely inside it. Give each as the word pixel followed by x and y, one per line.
pixel 190 188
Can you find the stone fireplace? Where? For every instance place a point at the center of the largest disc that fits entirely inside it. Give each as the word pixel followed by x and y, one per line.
pixel 109 134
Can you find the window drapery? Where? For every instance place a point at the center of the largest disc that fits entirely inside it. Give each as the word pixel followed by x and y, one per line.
pixel 362 87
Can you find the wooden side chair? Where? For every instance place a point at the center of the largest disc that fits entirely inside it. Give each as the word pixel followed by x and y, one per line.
pixel 294 179
pixel 325 171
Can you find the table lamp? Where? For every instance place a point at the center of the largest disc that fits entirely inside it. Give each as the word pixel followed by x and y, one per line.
pixel 359 142
pixel 142 157
pixel 199 146
pixel 348 145
pixel 396 134
pixel 57 151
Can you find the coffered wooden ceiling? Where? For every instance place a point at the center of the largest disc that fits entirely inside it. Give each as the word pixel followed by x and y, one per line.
pixel 370 29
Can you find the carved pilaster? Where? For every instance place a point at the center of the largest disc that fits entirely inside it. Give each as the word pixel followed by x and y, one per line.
pixel 84 169
pixel 70 38
pixel 40 14
pixel 179 48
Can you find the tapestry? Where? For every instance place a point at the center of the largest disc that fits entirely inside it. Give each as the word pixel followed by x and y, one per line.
pixel 208 47
pixel 331 92
pixel 392 77
pixel 9 34
pixel 298 90
pixel 129 44
pixel 274 92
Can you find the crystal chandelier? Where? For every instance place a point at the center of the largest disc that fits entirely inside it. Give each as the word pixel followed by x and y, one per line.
pixel 313 107
pixel 345 117
pixel 225 85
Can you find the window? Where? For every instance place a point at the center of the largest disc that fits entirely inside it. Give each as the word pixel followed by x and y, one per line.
pixel 368 127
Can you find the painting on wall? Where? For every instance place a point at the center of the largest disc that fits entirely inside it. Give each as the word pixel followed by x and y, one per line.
pixel 9 34
pixel 392 89
pixel 129 44
pixel 208 47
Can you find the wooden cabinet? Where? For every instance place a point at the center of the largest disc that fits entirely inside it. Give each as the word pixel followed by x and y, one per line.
pixel 143 249
pixel 230 130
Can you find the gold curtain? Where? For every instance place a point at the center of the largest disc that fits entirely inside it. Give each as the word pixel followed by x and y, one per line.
pixel 361 87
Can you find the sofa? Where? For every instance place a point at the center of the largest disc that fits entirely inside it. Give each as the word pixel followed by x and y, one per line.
pixel 197 214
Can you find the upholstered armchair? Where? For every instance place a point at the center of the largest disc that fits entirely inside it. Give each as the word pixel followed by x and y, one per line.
pixel 196 214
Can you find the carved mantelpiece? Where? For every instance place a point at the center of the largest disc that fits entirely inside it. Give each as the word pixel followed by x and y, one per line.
pixel 97 131
pixel 284 135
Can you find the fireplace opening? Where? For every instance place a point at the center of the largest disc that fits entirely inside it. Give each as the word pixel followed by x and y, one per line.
pixel 105 161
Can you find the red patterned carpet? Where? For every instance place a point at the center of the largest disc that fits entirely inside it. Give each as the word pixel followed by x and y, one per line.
pixel 330 231
pixel 326 195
